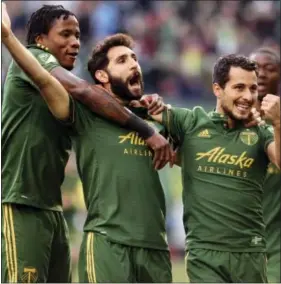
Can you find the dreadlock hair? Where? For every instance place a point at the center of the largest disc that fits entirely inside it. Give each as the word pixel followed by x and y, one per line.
pixel 269 51
pixel 99 59
pixel 42 20
pixel 224 63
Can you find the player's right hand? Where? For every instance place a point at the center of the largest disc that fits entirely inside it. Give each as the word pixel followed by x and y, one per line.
pixel 163 152
pixel 6 22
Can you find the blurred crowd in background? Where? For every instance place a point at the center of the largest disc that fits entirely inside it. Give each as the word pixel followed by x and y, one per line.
pixel 177 43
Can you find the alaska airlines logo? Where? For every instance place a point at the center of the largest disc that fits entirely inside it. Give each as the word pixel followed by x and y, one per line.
pixel 133 138
pixel 218 155
pixel 249 137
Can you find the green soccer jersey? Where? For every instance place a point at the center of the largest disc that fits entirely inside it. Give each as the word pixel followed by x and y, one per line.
pixel 223 172
pixel 272 209
pixel 123 194
pixel 34 145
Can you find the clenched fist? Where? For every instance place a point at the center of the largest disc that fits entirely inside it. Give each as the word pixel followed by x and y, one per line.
pixel 270 108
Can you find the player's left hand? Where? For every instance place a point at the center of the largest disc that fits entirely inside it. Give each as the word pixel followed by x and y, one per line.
pixel 270 108
pixel 154 103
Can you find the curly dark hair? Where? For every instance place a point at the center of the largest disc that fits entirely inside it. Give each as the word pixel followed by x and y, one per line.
pixel 42 20
pixel 99 59
pixel 224 63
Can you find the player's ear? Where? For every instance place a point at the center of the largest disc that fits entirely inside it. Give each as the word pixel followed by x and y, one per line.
pixel 102 76
pixel 217 90
pixel 39 39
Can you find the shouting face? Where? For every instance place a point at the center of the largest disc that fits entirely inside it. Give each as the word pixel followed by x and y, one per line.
pixel 124 73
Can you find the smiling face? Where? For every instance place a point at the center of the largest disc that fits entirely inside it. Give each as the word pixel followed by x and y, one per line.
pixel 238 96
pixel 124 73
pixel 63 40
pixel 269 73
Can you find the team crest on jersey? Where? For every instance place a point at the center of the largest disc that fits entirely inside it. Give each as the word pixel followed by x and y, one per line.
pixel 249 137
pixel 30 275
pixel 47 58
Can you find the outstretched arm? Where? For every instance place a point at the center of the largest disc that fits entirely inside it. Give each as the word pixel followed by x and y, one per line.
pixel 101 102
pixel 52 91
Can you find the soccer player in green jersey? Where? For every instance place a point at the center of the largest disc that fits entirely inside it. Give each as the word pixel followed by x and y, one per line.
pixel 35 244
pixel 268 62
pixel 124 233
pixel 223 168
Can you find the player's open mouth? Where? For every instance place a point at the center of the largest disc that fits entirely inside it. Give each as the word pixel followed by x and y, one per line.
pixel 134 81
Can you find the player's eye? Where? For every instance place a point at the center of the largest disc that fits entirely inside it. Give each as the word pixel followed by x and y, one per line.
pixel 65 34
pixel 239 88
pixel 121 60
pixel 254 89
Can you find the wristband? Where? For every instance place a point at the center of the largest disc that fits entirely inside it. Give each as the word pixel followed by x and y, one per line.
pixel 137 124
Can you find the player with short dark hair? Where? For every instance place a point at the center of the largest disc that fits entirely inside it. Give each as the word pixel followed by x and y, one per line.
pixel 35 145
pixel 124 233
pixel 268 61
pixel 223 167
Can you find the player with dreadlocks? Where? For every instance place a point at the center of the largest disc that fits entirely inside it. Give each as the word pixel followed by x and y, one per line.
pixel 268 61
pixel 35 242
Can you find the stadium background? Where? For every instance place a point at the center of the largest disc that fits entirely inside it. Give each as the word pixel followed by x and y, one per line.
pixel 177 43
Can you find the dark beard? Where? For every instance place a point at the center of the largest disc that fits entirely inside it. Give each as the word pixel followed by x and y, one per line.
pixel 120 89
pixel 232 117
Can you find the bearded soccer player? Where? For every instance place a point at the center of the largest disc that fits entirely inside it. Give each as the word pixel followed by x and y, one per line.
pixel 268 62
pixel 124 233
pixel 224 164
pixel 35 243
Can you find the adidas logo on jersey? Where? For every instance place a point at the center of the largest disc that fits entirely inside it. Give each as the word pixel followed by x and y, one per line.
pixel 204 134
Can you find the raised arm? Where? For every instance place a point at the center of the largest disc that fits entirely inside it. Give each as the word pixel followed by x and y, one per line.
pixel 270 107
pixel 52 91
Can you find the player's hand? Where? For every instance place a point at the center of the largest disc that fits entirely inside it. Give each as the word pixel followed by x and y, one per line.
pixel 163 152
pixel 154 103
pixel 254 119
pixel 270 108
pixel 6 22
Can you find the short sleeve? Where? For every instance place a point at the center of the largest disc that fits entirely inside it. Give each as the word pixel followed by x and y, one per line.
pixel 178 121
pixel 47 61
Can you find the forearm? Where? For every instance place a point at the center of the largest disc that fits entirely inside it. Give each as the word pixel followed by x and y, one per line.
pixel 98 100
pixel 276 128
pixel 52 91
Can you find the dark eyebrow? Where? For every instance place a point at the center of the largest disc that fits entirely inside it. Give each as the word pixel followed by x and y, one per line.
pixel 238 85
pixel 121 56
pixel 70 31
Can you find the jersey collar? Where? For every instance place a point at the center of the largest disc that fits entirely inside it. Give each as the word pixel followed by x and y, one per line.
pixel 218 117
pixel 222 119
pixel 38 46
